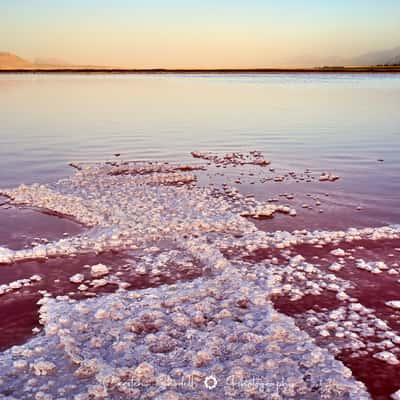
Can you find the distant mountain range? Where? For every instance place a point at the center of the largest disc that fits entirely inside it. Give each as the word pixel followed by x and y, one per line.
pixel 383 57
pixel 12 61
pixel 9 60
pixel 391 56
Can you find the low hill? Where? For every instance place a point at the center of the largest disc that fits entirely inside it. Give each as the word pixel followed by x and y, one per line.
pixel 10 61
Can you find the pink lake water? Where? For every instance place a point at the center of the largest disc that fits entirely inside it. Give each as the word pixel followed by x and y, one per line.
pixel 345 124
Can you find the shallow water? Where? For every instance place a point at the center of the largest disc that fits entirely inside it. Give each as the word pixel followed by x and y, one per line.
pixel 340 122
pixel 347 125
pixel 20 227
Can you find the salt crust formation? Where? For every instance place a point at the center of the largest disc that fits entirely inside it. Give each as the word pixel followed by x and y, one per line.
pixel 166 342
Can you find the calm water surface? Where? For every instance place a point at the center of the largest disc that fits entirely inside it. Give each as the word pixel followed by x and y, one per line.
pixel 346 121
pixel 345 124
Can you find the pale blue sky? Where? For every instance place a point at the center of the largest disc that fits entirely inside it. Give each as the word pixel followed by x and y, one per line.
pixel 192 33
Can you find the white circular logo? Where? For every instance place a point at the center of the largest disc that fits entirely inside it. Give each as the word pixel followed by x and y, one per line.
pixel 210 382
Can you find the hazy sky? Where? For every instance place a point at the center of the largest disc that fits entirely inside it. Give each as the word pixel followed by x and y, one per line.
pixel 201 33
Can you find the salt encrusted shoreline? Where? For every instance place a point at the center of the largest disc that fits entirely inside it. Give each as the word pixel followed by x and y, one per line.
pixel 163 343
pixel 150 343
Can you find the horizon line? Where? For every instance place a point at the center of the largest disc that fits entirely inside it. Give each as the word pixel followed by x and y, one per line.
pixel 121 70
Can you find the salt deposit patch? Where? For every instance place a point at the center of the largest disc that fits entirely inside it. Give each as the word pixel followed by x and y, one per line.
pixel 142 343
pixel 72 276
pixel 222 324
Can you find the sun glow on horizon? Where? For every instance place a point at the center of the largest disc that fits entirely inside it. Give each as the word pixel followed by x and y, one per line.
pixel 188 34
